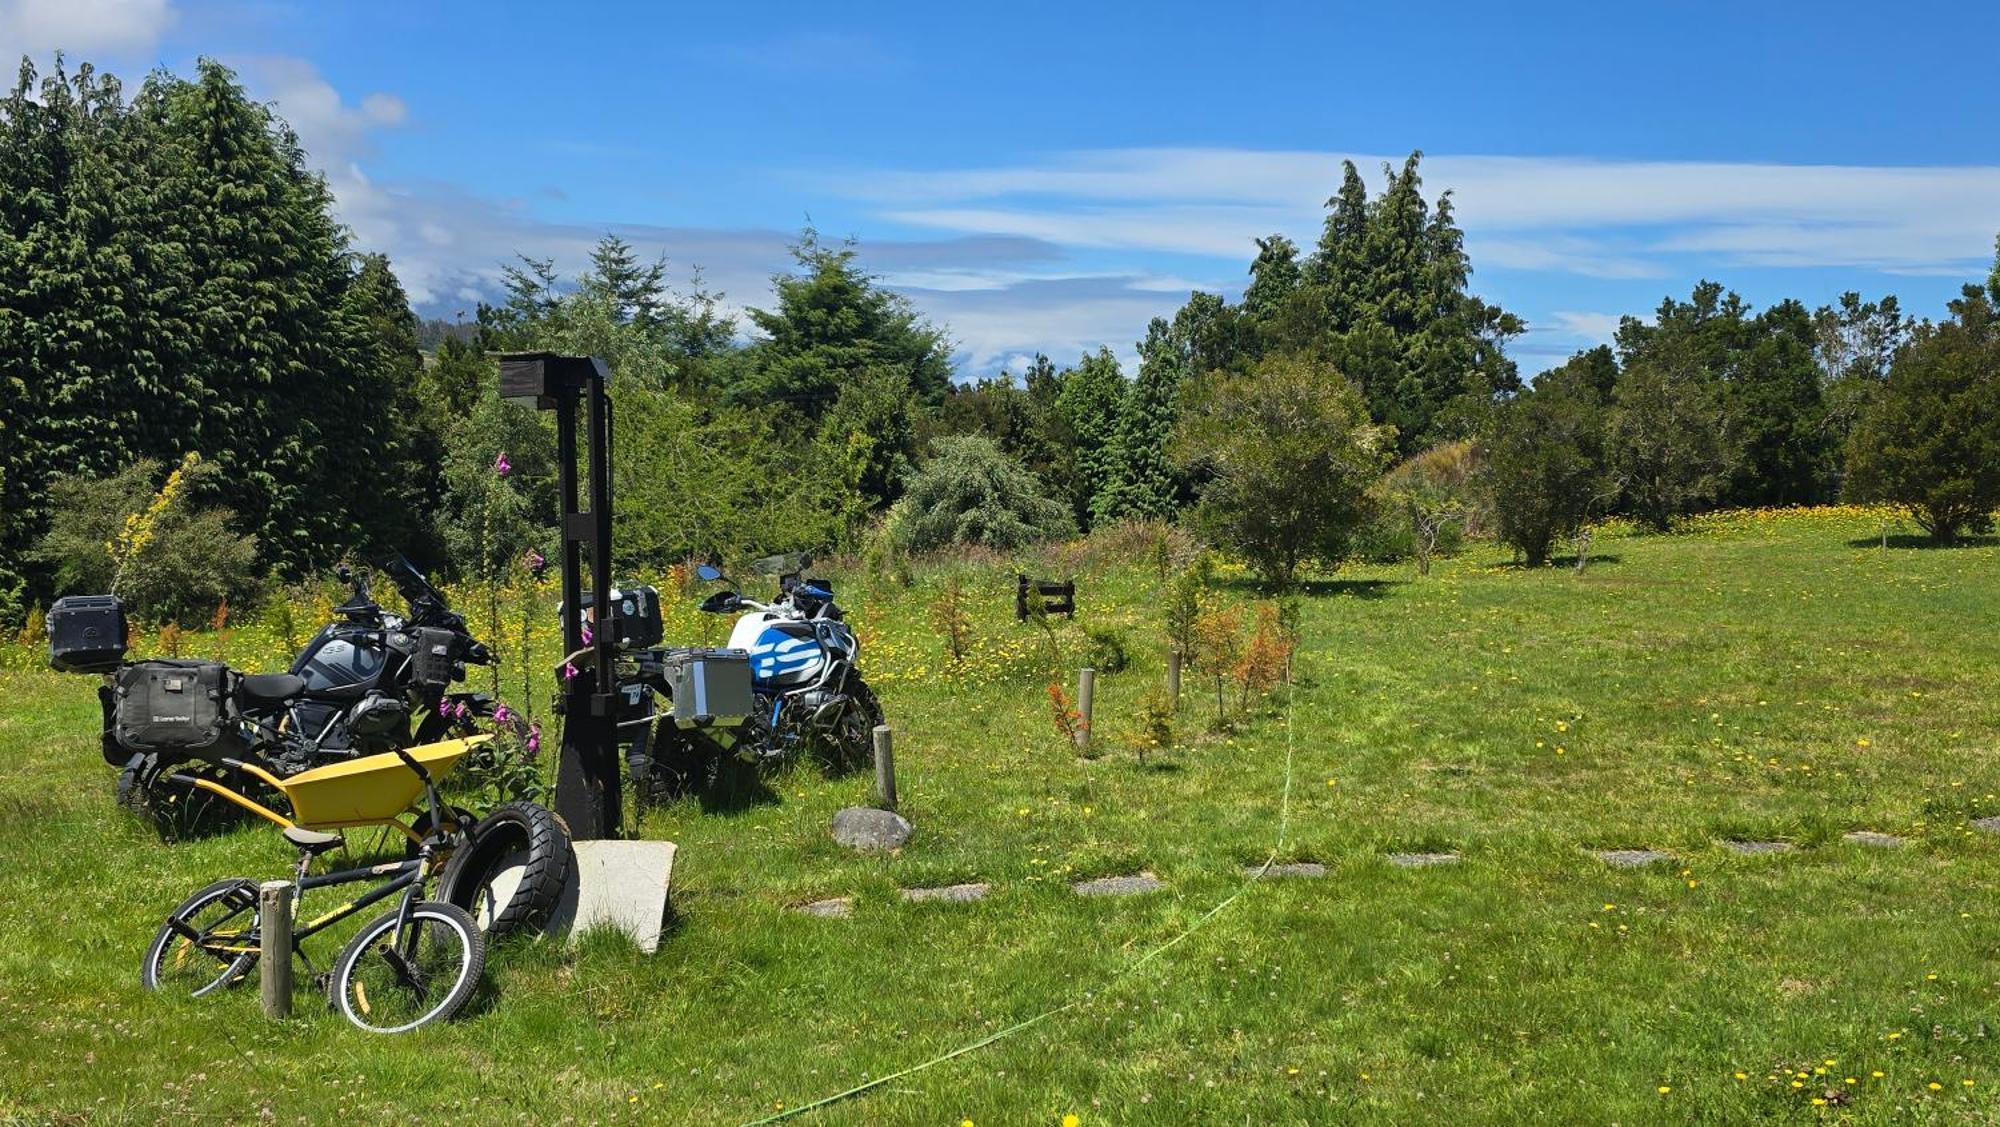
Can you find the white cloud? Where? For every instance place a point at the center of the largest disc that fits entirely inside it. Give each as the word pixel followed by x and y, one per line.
pixel 1593 327
pixel 1600 218
pixel 82 27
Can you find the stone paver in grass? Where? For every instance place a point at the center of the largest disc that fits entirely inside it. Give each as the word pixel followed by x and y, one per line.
pixel 1990 825
pixel 1754 848
pixel 1871 837
pixel 1293 869
pixel 1118 886
pixel 1420 860
pixel 840 907
pixel 1632 858
pixel 956 893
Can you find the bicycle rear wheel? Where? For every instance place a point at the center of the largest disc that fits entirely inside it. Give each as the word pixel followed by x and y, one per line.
pixel 208 943
pixel 390 981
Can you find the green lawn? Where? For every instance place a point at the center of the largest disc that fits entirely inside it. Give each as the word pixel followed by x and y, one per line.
pixel 1766 677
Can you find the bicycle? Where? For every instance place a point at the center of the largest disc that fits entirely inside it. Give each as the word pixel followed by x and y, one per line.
pixel 416 964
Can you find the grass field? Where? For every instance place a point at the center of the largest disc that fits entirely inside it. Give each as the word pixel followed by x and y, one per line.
pixel 1763 676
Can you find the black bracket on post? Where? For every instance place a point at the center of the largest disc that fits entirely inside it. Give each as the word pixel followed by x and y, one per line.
pixel 587 776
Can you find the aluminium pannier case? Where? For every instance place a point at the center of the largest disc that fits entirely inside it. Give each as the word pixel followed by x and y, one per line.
pixel 708 686
pixel 86 633
pixel 173 705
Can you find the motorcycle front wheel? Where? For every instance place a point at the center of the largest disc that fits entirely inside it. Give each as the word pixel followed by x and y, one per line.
pixel 849 745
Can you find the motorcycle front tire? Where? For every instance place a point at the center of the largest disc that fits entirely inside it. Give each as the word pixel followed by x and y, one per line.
pixel 850 745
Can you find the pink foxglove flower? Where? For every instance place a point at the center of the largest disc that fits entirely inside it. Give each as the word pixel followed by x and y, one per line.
pixel 444 709
pixel 501 466
pixel 587 635
pixel 534 738
pixel 502 715
pixel 569 671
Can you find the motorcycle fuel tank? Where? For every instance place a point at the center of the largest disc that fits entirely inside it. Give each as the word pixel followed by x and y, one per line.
pixel 784 652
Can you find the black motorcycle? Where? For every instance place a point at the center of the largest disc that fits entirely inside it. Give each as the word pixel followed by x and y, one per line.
pixel 369 681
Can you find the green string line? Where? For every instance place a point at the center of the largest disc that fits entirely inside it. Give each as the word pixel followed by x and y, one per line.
pixel 1284 822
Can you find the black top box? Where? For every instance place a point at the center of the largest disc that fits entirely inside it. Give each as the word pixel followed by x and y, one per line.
pixel 87 633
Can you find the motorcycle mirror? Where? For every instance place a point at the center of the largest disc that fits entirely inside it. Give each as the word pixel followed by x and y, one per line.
pixel 343 573
pixel 721 602
pixel 709 572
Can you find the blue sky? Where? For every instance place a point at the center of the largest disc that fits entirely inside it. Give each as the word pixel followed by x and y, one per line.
pixel 1049 176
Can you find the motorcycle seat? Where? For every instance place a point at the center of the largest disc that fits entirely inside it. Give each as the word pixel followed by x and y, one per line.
pixel 262 690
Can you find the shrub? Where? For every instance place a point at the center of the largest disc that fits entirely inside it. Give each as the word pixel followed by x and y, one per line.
pixel 1106 651
pixel 1183 604
pixel 1288 454
pixel 1545 466
pixel 1433 498
pixel 1931 438
pixel 1218 644
pixel 970 492
pixel 1068 721
pixel 949 616
pixel 1265 659
pixel 1153 726
pixel 156 547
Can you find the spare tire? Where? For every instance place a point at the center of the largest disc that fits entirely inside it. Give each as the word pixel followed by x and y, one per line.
pixel 509 874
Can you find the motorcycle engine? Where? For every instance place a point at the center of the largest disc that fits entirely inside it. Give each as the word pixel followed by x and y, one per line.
pixel 820 707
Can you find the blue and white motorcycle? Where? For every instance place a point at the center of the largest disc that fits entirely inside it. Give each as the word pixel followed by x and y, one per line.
pixel 805 682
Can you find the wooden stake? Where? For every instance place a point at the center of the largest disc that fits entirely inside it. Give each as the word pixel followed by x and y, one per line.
pixel 1174 679
pixel 274 928
pixel 1086 696
pixel 885 768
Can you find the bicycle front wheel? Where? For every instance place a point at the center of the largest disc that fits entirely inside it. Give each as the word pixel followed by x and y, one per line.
pixel 392 980
pixel 208 943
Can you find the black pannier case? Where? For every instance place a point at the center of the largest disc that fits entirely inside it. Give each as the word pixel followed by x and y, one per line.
pixel 86 633
pixel 173 705
pixel 433 663
pixel 634 617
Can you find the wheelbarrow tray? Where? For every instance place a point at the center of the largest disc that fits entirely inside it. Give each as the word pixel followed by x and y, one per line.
pixel 371 789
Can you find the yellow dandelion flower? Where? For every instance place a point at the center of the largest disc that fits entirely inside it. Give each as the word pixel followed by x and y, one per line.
pixel 1743 1076
pixel 1664 1089
pixel 1936 1087
pixel 1878 1074
pixel 1070 1120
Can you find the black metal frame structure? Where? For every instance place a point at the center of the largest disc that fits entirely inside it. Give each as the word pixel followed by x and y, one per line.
pixel 588 786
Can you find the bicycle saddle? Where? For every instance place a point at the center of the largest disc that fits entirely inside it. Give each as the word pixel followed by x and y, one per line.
pixel 312 841
pixel 262 690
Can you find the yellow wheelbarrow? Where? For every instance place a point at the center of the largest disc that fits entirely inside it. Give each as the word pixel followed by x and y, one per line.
pixel 372 790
